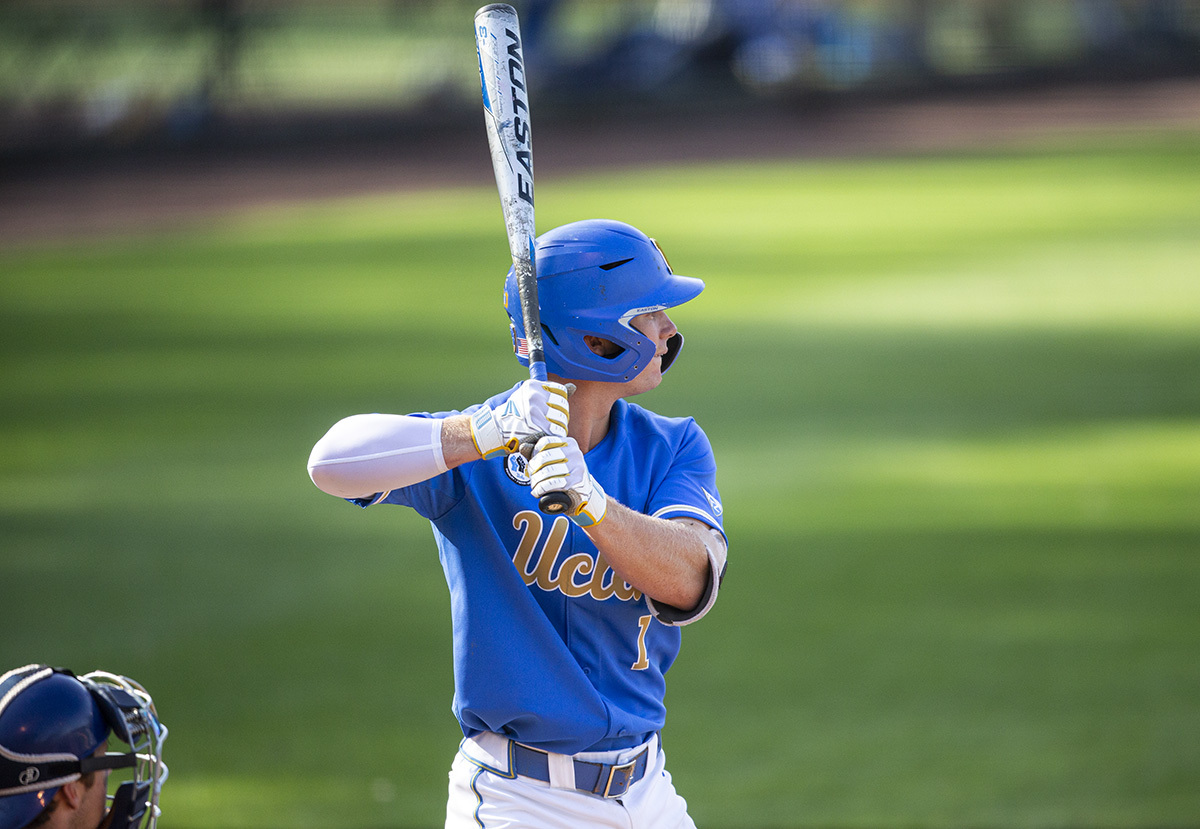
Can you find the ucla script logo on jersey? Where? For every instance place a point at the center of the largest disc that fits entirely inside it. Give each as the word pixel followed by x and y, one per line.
pixel 584 573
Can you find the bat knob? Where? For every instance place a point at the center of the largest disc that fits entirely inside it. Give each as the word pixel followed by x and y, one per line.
pixel 554 503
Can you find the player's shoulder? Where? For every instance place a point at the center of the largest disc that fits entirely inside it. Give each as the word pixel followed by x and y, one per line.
pixel 495 400
pixel 637 415
pixel 635 421
pixel 492 402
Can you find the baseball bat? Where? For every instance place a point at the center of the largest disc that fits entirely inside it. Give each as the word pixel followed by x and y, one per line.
pixel 505 91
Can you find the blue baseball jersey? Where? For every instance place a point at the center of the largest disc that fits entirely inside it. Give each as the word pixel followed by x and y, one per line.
pixel 551 649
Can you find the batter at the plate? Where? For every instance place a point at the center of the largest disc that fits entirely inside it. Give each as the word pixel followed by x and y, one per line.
pixel 564 626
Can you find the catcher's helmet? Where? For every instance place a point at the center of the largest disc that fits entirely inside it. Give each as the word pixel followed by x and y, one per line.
pixel 52 722
pixel 593 277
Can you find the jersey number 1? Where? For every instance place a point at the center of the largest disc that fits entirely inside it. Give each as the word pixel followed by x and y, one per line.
pixel 643 661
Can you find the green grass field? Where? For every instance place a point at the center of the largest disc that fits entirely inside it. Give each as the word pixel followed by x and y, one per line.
pixel 956 408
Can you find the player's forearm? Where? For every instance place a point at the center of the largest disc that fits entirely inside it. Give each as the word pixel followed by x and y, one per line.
pixel 370 453
pixel 664 559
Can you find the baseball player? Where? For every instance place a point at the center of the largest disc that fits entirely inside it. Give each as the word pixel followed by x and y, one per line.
pixel 54 761
pixel 564 626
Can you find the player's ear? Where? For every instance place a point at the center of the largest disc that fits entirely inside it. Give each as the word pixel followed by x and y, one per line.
pixel 601 346
pixel 72 794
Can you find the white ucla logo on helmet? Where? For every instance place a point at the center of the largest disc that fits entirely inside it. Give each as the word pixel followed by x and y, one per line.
pixel 516 467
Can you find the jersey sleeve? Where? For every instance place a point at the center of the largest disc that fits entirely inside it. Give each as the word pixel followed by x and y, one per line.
pixel 436 496
pixel 689 486
pixel 689 490
pixel 431 498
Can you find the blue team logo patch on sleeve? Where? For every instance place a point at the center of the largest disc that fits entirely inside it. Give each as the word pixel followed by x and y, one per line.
pixel 713 502
pixel 516 467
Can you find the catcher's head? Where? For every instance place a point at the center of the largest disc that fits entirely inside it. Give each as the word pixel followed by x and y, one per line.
pixel 593 278
pixel 52 724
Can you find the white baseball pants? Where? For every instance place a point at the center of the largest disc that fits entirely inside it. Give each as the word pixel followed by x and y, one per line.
pixel 484 795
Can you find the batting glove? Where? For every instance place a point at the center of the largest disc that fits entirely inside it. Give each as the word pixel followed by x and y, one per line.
pixel 536 409
pixel 557 465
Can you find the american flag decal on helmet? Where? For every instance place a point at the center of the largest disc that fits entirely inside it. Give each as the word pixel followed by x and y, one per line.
pixel 520 344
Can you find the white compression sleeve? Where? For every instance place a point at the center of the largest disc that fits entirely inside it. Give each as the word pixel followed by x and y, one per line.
pixel 366 454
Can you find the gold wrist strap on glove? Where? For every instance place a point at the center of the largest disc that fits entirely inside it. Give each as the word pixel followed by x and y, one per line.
pixel 592 511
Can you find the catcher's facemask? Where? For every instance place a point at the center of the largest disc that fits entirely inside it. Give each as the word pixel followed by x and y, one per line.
pixel 128 712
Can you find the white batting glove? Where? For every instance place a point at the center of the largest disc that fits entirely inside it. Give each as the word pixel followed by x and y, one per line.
pixel 557 465
pixel 537 408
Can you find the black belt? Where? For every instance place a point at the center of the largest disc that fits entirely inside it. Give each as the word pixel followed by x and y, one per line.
pixel 603 779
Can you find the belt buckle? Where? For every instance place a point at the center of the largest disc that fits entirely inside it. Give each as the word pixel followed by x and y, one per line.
pixel 626 778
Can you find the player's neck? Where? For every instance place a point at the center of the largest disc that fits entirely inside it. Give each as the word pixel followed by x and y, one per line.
pixel 591 413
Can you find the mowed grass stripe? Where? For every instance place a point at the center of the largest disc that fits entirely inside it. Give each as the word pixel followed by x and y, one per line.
pixel 955 407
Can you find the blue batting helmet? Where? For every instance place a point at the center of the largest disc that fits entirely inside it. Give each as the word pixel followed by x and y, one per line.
pixel 593 277
pixel 52 722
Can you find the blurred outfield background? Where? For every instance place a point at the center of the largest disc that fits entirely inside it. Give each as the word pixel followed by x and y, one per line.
pixel 78 75
pixel 953 382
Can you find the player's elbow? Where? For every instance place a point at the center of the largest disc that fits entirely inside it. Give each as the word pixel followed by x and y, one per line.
pixel 363 455
pixel 328 467
pixel 328 480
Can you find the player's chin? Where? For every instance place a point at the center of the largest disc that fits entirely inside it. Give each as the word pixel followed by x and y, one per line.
pixel 649 378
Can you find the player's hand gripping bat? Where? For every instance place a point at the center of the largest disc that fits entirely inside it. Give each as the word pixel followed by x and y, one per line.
pixel 510 137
